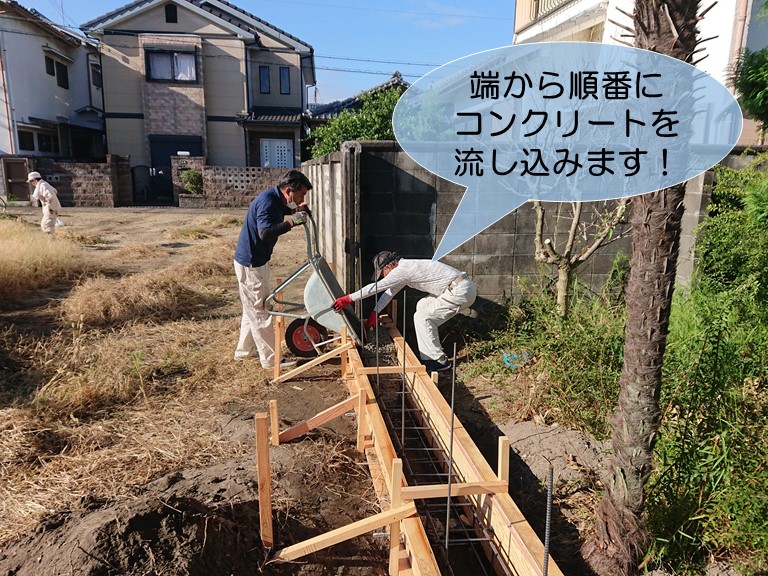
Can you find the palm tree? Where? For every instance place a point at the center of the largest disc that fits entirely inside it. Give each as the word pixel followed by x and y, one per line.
pixel 620 541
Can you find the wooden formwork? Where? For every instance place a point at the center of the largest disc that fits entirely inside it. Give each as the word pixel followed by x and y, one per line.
pixel 518 549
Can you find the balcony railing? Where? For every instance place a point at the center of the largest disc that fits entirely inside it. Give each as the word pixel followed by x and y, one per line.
pixel 531 10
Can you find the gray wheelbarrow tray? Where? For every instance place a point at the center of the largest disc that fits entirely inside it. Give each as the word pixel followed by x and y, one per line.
pixel 320 292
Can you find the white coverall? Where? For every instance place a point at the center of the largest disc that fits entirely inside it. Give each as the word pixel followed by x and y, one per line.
pixel 449 291
pixel 48 198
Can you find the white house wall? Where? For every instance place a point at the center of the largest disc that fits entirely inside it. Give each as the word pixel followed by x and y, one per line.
pixel 35 94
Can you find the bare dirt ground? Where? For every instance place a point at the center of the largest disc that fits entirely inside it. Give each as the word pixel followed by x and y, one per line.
pixel 159 477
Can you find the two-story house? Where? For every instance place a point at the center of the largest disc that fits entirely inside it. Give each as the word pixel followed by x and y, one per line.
pixel 50 95
pixel 204 78
pixel 725 28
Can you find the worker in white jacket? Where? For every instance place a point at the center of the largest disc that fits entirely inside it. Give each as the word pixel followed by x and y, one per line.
pixel 449 291
pixel 48 198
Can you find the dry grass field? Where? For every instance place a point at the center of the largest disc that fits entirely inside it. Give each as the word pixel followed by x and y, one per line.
pixel 121 402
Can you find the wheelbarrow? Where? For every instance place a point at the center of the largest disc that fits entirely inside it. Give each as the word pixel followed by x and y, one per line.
pixel 315 317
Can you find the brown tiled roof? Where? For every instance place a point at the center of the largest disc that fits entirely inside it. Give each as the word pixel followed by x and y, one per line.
pixel 274 115
pixel 333 109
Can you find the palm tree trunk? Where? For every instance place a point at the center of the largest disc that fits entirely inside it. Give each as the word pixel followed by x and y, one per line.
pixel 621 538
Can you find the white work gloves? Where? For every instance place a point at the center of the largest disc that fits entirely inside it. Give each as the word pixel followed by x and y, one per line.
pixel 299 218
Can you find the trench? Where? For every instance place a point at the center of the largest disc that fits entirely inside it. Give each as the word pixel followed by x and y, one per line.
pixel 459 538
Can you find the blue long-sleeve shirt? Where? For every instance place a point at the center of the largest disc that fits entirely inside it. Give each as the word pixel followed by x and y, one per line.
pixel 264 223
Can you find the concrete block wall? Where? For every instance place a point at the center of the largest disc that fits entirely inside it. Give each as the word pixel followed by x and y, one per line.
pixel 235 186
pixel 406 208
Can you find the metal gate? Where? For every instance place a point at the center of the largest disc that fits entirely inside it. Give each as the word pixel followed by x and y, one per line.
pixel 150 187
pixel 15 171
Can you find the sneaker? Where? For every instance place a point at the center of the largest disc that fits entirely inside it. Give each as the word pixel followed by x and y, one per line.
pixel 435 366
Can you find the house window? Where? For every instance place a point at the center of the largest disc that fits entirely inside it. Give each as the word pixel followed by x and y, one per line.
pixel 171 15
pixel 171 66
pixel 62 75
pixel 264 79
pixel 48 143
pixel 54 67
pixel 26 140
pixel 285 80
pixel 96 78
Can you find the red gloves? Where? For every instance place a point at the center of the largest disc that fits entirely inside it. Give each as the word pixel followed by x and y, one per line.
pixel 371 322
pixel 341 303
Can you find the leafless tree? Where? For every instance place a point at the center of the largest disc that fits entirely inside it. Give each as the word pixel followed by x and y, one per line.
pixel 584 237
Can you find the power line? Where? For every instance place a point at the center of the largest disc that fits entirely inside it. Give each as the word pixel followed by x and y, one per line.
pixel 358 7
pixel 377 61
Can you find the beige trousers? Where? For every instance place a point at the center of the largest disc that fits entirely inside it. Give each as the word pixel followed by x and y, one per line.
pixel 256 323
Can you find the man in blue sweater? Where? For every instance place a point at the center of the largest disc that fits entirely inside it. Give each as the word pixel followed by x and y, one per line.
pixel 264 223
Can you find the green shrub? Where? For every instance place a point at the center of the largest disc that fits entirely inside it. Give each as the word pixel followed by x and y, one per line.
pixel 709 495
pixel 577 361
pixel 192 181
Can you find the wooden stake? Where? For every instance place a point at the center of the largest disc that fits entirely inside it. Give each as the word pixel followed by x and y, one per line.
pixel 263 474
pixel 274 424
pixel 503 471
pixel 279 325
pixel 394 528
pixel 362 419
pixel 279 337
pixel 344 354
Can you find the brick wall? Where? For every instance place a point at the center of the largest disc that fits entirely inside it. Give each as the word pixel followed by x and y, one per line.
pixel 88 184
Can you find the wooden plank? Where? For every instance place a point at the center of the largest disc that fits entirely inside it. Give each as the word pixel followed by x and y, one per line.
pixel 390 370
pixel 312 363
pixel 457 489
pixel 345 533
pixel 264 480
pixel 319 419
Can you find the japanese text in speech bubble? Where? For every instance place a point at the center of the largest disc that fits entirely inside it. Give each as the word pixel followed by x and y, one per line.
pixel 564 122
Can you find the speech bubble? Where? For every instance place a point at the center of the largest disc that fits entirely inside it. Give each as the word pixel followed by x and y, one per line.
pixel 562 122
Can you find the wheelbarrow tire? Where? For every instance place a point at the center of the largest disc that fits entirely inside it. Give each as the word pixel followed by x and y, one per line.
pixel 299 340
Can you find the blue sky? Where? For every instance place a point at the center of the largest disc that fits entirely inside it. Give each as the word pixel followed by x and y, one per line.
pixel 353 38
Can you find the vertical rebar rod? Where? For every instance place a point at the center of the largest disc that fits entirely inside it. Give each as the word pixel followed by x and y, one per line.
pixel 376 331
pixel 402 395
pixel 360 283
pixel 547 525
pixel 450 449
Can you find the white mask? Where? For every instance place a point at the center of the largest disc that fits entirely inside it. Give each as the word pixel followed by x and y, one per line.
pixel 292 205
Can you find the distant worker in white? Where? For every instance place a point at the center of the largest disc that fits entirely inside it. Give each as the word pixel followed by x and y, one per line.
pixel 449 292
pixel 48 198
